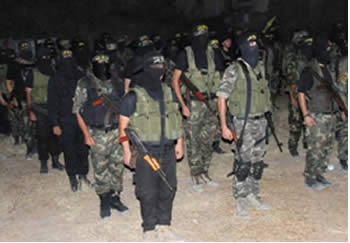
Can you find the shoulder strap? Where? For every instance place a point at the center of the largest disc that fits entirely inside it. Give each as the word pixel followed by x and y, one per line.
pixel 248 102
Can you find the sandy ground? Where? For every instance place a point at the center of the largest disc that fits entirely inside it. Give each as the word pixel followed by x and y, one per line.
pixel 36 207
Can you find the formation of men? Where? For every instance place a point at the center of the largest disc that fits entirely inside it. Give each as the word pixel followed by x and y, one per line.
pixel 80 102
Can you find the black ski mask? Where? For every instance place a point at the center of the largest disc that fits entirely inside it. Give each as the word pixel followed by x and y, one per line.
pixel 44 61
pixel 321 51
pixel 200 42
pixel 153 68
pixel 68 66
pixel 26 55
pixel 306 50
pixel 101 66
pixel 249 50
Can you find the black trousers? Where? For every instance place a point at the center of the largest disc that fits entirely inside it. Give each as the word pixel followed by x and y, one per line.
pixel 75 150
pixel 155 198
pixel 48 143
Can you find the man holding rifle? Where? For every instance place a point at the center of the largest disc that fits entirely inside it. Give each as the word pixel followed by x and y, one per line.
pixel 202 64
pixel 246 89
pixel 150 110
pixel 319 102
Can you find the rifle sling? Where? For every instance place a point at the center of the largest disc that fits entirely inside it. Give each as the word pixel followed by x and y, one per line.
pixel 248 103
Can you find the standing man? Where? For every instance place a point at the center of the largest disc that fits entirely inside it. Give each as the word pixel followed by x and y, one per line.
pixel 318 111
pixel 246 89
pixel 99 125
pixel 149 109
pixel 296 63
pixel 64 124
pixel 36 88
pixel 202 65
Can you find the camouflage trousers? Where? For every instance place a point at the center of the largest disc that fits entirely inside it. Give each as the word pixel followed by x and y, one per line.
pixel 18 118
pixel 107 161
pixel 320 143
pixel 200 130
pixel 296 127
pixel 342 138
pixel 254 131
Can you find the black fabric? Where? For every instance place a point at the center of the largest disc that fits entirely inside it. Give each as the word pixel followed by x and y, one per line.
pixel 45 67
pixel 75 150
pixel 200 42
pixel 61 90
pixel 306 81
pixel 320 46
pixel 22 75
pixel 26 54
pixel 249 53
pixel 306 50
pixel 48 143
pixel 156 200
pixel 101 70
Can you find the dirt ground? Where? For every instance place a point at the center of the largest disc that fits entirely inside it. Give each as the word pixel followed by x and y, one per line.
pixel 36 207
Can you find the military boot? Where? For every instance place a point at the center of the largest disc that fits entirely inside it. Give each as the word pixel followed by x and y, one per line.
pixel 105 202
pixel 294 152
pixel 84 179
pixel 74 184
pixel 344 164
pixel 56 164
pixel 166 234
pixel 242 208
pixel 257 203
pixel 118 205
pixel 216 147
pixel 208 181
pixel 321 179
pixel 43 167
pixel 313 184
pixel 17 140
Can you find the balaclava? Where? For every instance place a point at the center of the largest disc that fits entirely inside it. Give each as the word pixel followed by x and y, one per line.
pixel 321 50
pixel 249 49
pixel 306 48
pixel 101 66
pixel 153 67
pixel 44 63
pixel 200 38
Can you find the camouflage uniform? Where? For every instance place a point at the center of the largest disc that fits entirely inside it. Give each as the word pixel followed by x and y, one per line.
pixel 342 126
pixel 320 137
pixel 255 127
pixel 295 64
pixel 106 154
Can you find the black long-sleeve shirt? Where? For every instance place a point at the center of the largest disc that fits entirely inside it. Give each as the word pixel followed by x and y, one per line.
pixel 61 91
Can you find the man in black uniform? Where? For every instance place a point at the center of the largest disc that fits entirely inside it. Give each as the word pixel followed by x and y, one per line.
pixel 60 93
pixel 36 96
pixel 150 110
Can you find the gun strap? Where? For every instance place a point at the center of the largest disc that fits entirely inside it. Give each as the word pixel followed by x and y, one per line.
pixel 248 103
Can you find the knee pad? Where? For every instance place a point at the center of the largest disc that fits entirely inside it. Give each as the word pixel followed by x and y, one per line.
pixel 242 170
pixel 258 169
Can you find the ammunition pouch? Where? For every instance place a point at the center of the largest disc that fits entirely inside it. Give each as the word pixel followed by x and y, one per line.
pixel 258 169
pixel 241 170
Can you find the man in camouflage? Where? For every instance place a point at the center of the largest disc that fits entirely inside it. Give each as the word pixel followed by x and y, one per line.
pixel 318 111
pixel 295 64
pixel 202 64
pixel 342 121
pixel 99 124
pixel 249 122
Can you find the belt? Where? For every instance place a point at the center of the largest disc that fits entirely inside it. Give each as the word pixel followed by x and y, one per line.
pixel 211 96
pixel 103 128
pixel 251 117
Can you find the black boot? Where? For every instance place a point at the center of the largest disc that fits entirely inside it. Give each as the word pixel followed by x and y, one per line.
pixel 118 205
pixel 105 202
pixel 43 167
pixel 56 164
pixel 344 164
pixel 74 184
pixel 216 147
pixel 322 180
pixel 17 138
pixel 305 145
pixel 294 152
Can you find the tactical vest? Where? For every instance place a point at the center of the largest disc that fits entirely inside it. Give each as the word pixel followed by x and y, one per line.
pixel 99 116
pixel 206 83
pixel 260 100
pixel 40 85
pixel 146 120
pixel 320 100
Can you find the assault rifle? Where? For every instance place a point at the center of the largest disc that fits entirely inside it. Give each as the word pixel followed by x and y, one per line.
pixel 151 160
pixel 270 124
pixel 337 98
pixel 195 91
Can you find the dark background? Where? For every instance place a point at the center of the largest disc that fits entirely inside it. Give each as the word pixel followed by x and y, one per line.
pixel 69 18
